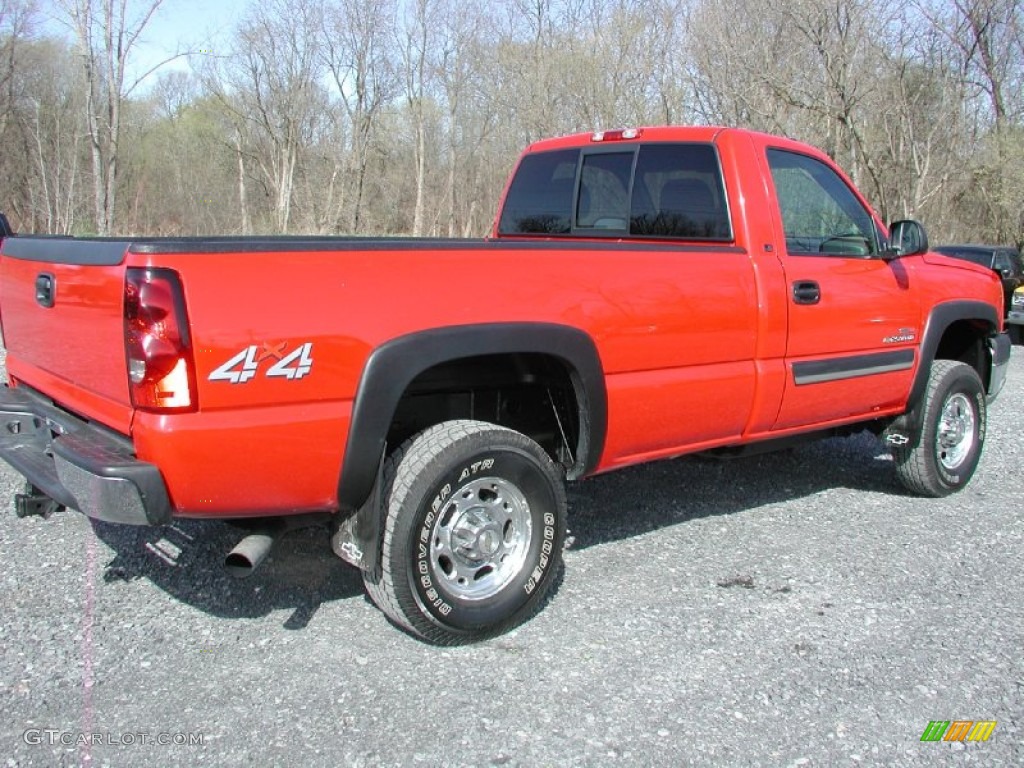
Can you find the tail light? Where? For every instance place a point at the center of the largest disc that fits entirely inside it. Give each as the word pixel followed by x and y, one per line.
pixel 161 371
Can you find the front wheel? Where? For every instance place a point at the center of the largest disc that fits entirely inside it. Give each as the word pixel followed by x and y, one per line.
pixel 474 524
pixel 941 455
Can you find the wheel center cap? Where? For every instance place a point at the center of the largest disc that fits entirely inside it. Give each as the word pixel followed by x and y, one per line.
pixel 477 537
pixel 953 431
pixel 488 542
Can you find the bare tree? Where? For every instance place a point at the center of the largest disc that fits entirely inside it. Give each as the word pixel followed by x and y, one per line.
pixel 530 85
pixel 671 68
pixel 107 32
pixel 52 116
pixel 16 21
pixel 417 45
pixel 404 116
pixel 271 86
pixel 179 167
pixel 356 49
pixel 464 43
pixel 989 36
pixel 737 70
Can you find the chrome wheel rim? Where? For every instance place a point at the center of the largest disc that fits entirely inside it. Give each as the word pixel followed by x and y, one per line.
pixel 481 538
pixel 956 433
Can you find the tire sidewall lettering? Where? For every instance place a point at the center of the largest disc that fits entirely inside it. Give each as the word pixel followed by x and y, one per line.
pixel 430 592
pixel 544 559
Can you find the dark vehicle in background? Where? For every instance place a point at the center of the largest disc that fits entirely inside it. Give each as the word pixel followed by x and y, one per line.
pixel 1005 261
pixel 1015 317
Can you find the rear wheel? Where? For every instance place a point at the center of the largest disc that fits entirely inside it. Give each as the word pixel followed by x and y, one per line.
pixel 940 458
pixel 474 523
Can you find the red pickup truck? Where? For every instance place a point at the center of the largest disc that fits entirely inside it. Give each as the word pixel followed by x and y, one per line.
pixel 644 294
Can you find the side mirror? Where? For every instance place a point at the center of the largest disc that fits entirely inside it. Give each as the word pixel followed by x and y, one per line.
pixel 906 238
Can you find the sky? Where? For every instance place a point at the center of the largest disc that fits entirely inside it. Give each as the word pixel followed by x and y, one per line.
pixel 200 24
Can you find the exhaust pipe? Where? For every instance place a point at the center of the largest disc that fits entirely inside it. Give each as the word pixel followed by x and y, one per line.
pixel 251 551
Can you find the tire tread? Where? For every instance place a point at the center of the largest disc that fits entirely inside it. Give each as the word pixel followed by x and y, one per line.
pixel 401 469
pixel 915 461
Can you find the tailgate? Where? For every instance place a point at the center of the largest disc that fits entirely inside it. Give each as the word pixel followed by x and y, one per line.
pixel 62 306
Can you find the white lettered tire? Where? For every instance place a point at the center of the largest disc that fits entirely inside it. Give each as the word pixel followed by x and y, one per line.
pixel 474 525
pixel 941 455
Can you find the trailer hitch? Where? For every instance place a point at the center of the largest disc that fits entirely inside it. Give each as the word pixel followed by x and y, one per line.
pixel 34 502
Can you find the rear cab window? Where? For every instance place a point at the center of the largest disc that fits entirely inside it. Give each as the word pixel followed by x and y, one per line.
pixel 671 190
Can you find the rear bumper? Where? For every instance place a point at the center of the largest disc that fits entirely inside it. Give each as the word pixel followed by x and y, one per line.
pixel 78 464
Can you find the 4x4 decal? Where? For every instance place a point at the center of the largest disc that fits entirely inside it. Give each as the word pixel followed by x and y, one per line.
pixel 245 365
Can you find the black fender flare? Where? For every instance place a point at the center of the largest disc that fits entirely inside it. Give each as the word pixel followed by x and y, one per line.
pixel 942 316
pixel 939 319
pixel 391 367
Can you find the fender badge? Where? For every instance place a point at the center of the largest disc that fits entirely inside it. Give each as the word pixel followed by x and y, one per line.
pixel 901 337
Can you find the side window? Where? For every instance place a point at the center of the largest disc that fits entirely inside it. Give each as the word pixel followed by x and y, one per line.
pixel 678 192
pixel 820 214
pixel 604 191
pixel 541 196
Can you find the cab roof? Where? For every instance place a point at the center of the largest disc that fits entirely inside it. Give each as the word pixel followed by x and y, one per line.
pixel 668 133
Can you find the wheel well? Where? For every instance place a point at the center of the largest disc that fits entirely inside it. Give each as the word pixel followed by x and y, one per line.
pixel 964 341
pixel 535 394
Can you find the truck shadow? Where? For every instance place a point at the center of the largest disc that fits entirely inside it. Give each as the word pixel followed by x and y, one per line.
pixel 302 573
pixel 651 496
pixel 185 559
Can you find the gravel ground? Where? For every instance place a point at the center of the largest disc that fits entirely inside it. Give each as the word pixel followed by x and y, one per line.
pixel 795 609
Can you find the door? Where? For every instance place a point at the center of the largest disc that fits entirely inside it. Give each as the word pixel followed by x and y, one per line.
pixel 854 319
